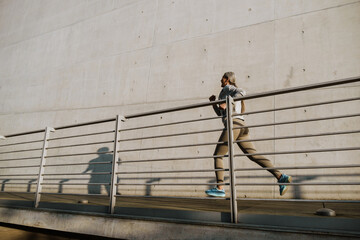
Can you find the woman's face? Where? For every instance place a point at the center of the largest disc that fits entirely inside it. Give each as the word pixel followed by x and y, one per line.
pixel 224 82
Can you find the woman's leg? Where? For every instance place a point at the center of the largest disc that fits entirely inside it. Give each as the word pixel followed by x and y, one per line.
pixel 248 147
pixel 222 149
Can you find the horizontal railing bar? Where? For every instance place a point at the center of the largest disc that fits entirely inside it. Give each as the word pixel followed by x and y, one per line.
pixel 24 150
pixel 62 127
pixel 298 184
pixel 81 135
pixel 75 194
pixel 175 109
pixel 14 175
pixel 13 179
pixel 18 143
pixel 171 135
pixel 78 154
pixel 251 96
pixel 168 124
pixel 299 121
pixel 176 171
pixel 20 166
pixel 300 167
pixel 68 179
pixel 120 178
pixel 298 106
pixel 299 151
pixel 298 136
pixel 173 159
pixel 75 183
pixel 18 159
pixel 25 183
pixel 167 147
pixel 170 197
pixel 82 144
pixel 300 88
pixel 174 184
pixel 24 133
pixel 93 173
pixel 73 164
pixel 86 123
pixel 297 200
pixel 17 192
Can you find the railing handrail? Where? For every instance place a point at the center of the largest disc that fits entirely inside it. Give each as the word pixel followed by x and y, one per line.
pixel 204 104
pixel 250 96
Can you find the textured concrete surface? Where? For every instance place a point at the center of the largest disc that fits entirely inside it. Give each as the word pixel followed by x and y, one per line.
pixel 128 228
pixel 65 62
pixel 16 232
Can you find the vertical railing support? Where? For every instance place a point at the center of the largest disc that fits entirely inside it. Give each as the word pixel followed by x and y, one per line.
pixel 42 166
pixel 113 187
pixel 229 125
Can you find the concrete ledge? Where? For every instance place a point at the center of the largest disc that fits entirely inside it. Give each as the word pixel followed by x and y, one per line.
pixel 116 226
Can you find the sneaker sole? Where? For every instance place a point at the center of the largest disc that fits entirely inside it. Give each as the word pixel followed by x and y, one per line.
pixel 285 190
pixel 289 179
pixel 213 195
pixel 283 193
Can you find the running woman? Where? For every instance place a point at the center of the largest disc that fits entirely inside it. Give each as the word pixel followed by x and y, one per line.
pixel 229 88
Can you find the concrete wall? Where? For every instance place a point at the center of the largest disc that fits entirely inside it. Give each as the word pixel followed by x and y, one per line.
pixel 65 62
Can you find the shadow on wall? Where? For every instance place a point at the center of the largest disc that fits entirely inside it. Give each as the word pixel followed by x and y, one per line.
pixel 297 191
pixel 3 184
pixel 60 190
pixel 30 184
pixel 97 167
pixel 100 169
pixel 148 187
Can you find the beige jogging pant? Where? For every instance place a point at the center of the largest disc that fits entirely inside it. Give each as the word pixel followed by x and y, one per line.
pixel 246 147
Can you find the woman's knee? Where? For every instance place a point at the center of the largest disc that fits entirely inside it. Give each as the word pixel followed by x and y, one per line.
pixel 220 149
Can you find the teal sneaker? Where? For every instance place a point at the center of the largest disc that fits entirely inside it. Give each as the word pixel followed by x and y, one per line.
pixel 284 179
pixel 215 192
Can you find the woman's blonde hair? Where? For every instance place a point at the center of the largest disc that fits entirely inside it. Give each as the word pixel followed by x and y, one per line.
pixel 231 77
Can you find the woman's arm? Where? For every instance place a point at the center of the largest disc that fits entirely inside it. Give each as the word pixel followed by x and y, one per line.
pixel 215 106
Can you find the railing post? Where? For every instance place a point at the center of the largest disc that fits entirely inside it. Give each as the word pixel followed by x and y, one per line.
pixel 233 203
pixel 113 186
pixel 42 166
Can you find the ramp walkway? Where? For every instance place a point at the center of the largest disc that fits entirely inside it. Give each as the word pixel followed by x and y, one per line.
pixel 118 195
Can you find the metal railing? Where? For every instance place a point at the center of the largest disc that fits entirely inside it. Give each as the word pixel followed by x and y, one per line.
pixel 110 174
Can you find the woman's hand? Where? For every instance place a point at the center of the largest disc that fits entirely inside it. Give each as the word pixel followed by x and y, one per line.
pixel 215 106
pixel 222 106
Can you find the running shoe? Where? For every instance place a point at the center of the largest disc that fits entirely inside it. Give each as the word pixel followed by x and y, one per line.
pixel 215 192
pixel 284 179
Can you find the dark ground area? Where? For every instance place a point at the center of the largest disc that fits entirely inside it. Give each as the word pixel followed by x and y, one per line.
pixel 16 232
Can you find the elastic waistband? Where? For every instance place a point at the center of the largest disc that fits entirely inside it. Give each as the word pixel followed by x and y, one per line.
pixel 239 118
pixel 236 121
pixel 239 121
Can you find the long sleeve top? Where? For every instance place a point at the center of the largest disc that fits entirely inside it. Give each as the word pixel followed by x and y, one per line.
pixel 230 90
